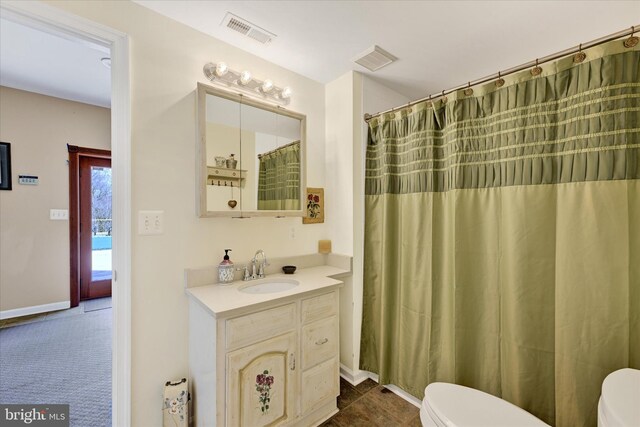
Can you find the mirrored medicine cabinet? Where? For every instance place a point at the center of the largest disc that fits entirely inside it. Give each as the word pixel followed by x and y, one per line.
pixel 251 157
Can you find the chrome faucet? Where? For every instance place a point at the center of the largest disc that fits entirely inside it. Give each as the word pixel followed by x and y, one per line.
pixel 260 266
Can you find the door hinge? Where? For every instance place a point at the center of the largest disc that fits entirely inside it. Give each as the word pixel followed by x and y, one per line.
pixel 292 362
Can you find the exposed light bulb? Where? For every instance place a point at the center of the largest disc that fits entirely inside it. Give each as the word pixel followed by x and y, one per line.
pixel 221 69
pixel 286 93
pixel 245 77
pixel 267 86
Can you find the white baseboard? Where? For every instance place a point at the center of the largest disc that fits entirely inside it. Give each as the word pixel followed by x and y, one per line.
pixel 356 378
pixel 403 394
pixel 35 309
pixel 353 378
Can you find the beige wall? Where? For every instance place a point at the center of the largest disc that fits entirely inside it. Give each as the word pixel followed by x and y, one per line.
pixel 339 110
pixel 166 63
pixel 34 251
pixel 346 100
pixel 339 95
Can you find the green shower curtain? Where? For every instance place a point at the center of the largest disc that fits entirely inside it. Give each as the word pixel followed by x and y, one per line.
pixel 279 178
pixel 502 237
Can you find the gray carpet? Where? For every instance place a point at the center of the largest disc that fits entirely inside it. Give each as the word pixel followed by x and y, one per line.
pixel 65 360
pixel 96 304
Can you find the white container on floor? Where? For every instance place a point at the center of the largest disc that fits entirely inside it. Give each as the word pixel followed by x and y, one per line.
pixel 619 404
pixel 452 405
pixel 175 405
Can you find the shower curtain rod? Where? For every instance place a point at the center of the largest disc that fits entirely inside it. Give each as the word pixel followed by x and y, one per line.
pixel 279 148
pixel 500 74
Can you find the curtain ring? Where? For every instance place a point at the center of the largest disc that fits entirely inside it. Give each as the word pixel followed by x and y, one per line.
pixel 536 71
pixel 632 40
pixel 500 81
pixel 468 91
pixel 580 56
pixel 444 98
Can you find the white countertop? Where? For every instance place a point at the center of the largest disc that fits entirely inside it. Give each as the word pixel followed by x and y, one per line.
pixel 227 300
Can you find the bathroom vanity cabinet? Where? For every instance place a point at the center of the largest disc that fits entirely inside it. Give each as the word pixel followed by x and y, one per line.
pixel 272 363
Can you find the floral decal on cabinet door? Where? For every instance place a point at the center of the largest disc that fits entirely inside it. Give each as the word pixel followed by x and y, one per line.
pixel 263 387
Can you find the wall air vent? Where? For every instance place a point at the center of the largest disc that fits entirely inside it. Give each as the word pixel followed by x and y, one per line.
pixel 375 58
pixel 246 28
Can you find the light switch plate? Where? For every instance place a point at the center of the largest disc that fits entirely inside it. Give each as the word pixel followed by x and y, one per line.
pixel 59 214
pixel 150 222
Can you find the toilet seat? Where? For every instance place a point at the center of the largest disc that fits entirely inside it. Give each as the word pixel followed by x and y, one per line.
pixel 619 404
pixel 452 405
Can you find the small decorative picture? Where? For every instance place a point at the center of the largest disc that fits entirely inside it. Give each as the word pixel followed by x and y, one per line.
pixel 315 206
pixel 5 166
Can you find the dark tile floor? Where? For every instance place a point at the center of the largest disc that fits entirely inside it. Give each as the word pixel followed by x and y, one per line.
pixel 371 405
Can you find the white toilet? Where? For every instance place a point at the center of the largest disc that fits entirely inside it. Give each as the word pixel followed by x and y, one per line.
pixel 619 404
pixel 451 405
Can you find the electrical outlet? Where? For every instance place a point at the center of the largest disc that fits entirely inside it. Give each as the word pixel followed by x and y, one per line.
pixel 59 214
pixel 150 222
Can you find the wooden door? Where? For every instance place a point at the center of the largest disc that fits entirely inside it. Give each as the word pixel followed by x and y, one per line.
pixel 262 383
pixel 95 227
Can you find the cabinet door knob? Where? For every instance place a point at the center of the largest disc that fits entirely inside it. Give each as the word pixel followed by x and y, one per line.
pixel 322 341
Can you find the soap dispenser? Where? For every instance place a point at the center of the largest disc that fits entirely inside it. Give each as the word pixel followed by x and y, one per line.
pixel 226 270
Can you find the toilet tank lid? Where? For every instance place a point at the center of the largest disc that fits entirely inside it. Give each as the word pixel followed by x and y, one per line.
pixel 621 397
pixel 455 405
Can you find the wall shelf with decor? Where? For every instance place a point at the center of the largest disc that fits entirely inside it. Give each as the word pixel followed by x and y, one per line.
pixel 225 177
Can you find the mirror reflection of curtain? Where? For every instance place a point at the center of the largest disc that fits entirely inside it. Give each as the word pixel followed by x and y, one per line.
pixel 279 178
pixel 502 237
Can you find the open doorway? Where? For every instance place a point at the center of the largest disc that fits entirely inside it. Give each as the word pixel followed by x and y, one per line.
pixel 52 20
pixel 95 227
pixel 40 117
pixel 90 223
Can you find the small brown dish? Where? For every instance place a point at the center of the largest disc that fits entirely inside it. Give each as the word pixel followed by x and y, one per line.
pixel 289 269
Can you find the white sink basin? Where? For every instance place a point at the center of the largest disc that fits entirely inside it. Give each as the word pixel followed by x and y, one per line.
pixel 269 286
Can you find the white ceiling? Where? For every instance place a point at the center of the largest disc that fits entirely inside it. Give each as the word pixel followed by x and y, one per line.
pixel 53 64
pixel 440 44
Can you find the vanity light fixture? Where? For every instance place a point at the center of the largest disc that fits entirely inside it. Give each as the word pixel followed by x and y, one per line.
pixel 221 69
pixel 245 77
pixel 244 82
pixel 267 86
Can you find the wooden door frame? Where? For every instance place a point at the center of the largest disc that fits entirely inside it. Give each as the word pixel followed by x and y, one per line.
pixel 75 153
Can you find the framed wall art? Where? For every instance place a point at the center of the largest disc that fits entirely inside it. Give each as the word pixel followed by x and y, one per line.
pixel 315 206
pixel 5 166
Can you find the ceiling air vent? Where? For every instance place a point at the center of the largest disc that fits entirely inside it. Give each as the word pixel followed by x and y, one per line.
pixel 375 58
pixel 246 28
